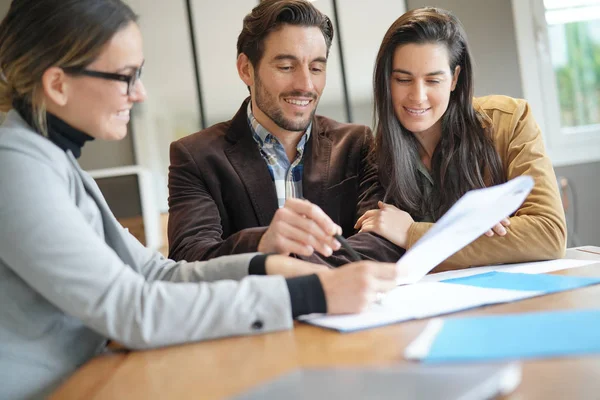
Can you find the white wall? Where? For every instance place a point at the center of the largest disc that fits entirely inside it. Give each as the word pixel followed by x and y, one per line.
pixel 4 6
pixel 171 109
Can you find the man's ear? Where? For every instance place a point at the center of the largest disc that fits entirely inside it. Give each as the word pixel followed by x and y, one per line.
pixel 455 77
pixel 54 83
pixel 245 70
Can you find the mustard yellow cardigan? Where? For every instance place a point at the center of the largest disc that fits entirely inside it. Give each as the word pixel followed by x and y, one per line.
pixel 537 230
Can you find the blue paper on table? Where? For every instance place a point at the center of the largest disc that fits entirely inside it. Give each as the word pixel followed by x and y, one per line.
pixel 529 335
pixel 543 283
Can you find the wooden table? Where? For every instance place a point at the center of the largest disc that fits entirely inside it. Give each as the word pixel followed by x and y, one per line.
pixel 222 368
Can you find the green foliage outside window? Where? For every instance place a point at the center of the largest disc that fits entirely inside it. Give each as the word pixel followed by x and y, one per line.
pixel 578 80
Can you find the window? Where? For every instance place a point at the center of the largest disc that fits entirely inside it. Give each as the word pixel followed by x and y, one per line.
pixel 558 42
pixel 574 36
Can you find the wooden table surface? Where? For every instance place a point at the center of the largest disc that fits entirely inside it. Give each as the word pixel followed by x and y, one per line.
pixel 222 368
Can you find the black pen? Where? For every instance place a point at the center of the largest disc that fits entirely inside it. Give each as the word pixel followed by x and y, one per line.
pixel 353 254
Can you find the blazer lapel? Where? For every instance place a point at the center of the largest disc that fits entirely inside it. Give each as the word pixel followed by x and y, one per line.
pixel 244 156
pixel 316 166
pixel 112 234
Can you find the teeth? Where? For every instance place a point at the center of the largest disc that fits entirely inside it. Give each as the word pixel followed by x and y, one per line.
pixel 298 102
pixel 414 111
pixel 123 113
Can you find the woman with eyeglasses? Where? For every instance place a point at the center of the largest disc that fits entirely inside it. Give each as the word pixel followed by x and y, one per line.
pixel 435 141
pixel 70 276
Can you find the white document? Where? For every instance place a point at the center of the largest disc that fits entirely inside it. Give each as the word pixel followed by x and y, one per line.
pixel 471 216
pixel 538 267
pixel 429 297
pixel 421 300
pixel 419 348
pixel 589 249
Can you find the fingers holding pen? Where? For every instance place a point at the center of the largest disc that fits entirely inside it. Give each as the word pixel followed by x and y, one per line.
pixel 354 287
pixel 300 227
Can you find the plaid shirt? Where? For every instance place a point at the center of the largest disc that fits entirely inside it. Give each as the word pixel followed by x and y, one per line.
pixel 286 177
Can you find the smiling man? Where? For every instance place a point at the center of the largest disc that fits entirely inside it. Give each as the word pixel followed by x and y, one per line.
pixel 276 178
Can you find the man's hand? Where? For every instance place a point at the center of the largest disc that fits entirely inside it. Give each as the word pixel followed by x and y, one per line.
pixel 300 227
pixel 388 221
pixel 291 267
pixel 353 287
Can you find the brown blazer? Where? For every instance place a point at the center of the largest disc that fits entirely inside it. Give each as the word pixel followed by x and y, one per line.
pixel 222 197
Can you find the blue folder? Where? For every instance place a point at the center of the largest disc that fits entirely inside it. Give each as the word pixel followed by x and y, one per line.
pixel 543 283
pixel 517 336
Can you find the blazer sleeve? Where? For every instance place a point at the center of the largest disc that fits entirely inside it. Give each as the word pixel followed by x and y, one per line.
pixel 537 230
pixel 46 240
pixel 369 246
pixel 195 230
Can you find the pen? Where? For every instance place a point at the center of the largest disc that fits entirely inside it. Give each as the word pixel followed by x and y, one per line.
pixel 353 254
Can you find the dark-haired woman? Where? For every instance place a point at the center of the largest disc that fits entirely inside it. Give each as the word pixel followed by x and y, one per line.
pixel 70 276
pixel 435 142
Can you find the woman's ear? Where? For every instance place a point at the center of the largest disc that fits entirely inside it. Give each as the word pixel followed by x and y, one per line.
pixel 455 77
pixel 55 85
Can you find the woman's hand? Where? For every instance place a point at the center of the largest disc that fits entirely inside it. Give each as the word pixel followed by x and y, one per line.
pixel 352 288
pixel 499 229
pixel 388 221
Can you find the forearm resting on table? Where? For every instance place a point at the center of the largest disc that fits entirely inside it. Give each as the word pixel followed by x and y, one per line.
pixel 529 238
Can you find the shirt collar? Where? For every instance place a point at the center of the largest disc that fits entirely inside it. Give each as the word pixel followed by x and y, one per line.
pixel 423 170
pixel 262 135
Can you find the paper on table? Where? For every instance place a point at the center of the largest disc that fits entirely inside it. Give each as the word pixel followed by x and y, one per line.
pixel 435 298
pixel 589 249
pixel 538 267
pixel 420 347
pixel 420 300
pixel 427 299
pixel 543 283
pixel 469 218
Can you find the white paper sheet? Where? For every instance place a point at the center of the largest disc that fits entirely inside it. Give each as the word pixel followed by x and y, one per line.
pixel 419 348
pixel 429 297
pixel 539 267
pixel 421 300
pixel 471 216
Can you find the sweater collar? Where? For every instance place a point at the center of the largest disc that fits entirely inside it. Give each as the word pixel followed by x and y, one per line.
pixel 59 132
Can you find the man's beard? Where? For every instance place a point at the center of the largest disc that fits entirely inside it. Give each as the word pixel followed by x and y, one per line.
pixel 268 105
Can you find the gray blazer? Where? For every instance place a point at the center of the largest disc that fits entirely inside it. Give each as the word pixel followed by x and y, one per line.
pixel 71 276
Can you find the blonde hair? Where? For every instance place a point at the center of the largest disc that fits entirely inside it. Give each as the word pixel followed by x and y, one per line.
pixel 38 34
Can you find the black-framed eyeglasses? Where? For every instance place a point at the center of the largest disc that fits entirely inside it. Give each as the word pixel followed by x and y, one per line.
pixel 131 80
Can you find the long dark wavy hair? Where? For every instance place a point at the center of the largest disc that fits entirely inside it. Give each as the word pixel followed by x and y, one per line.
pixel 465 157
